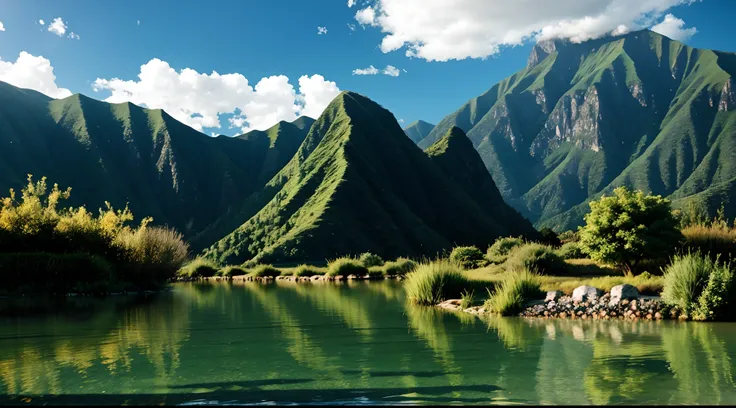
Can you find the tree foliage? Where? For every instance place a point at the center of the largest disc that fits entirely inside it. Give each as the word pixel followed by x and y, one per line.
pixel 628 227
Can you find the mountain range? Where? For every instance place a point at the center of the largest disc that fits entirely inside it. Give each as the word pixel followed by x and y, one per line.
pixel 580 119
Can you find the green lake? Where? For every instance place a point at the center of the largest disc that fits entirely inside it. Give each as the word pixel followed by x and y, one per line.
pixel 354 343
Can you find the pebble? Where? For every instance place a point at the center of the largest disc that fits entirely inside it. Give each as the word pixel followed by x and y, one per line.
pixel 600 309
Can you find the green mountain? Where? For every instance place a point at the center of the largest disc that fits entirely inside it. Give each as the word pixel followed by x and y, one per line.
pixel 123 153
pixel 418 130
pixel 461 163
pixel 357 184
pixel 581 119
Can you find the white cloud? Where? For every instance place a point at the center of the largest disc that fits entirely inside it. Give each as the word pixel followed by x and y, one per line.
pixel 58 27
pixel 41 22
pixel 34 73
pixel 2 27
pixel 351 3
pixel 198 99
pixel 441 30
pixel 390 70
pixel 73 36
pixel 138 22
pixel 321 30
pixel 366 71
pixel 351 27
pixel 674 28
pixel 366 16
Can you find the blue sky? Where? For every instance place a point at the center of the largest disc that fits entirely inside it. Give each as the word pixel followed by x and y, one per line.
pixel 280 37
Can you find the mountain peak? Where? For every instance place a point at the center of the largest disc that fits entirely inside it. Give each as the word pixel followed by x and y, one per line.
pixel 418 130
pixel 454 140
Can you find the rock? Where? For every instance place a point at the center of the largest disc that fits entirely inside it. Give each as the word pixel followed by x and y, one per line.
pixel 351 277
pixel 658 316
pixel 582 293
pixel 553 295
pixel 623 292
pixel 563 315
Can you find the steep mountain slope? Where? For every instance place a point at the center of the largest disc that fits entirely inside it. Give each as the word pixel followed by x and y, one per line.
pixel 356 184
pixel 455 155
pixel 639 110
pixel 418 130
pixel 123 153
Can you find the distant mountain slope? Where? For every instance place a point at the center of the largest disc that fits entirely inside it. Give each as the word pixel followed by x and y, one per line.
pixel 455 155
pixel 359 184
pixel 418 130
pixel 639 110
pixel 123 153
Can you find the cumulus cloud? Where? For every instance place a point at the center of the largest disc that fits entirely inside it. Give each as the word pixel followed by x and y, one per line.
pixel 58 27
pixel 351 3
pixel 198 99
pixel 2 27
pixel 41 22
pixel 321 30
pixel 674 28
pixel 366 16
pixel 390 70
pixel 34 73
pixel 440 30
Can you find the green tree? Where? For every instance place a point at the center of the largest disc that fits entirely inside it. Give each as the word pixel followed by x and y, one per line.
pixel 629 227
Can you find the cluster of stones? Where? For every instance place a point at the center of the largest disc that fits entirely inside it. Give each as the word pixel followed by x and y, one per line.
pixel 587 302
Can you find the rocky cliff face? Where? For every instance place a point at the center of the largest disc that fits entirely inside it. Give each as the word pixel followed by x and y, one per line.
pixel 581 119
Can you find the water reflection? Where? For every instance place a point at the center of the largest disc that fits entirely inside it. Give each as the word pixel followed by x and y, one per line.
pixel 356 343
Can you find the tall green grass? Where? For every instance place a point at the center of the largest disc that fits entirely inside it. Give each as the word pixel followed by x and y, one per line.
pixel 514 291
pixel 715 239
pixel 199 268
pixel 537 257
pixel 699 285
pixel 346 266
pixel 399 267
pixel 265 271
pixel 433 282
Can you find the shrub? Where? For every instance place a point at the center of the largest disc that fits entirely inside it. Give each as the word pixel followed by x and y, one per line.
pixel 549 237
pixel 569 236
pixel 717 239
pixel 307 271
pixel 368 259
pixel 499 251
pixel 376 272
pixel 230 271
pixel 514 291
pixel 431 283
pixel 629 227
pixel 469 257
pixel 536 257
pixel 686 279
pixel 199 268
pixel 717 299
pixel 264 271
pixel 346 266
pixel 399 267
pixel 156 252
pixel 571 250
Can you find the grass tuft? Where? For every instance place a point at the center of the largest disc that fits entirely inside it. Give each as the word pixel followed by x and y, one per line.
pixel 433 282
pixel 199 268
pixel 346 266
pixel 518 288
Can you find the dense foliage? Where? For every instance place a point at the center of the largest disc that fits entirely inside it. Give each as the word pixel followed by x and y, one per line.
pixel 628 227
pixel 537 257
pixel 469 257
pixel 431 283
pixel 700 286
pixel 499 251
pixel 34 228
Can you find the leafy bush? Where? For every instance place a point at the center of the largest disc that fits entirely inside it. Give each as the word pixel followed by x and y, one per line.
pixel 346 266
pixel 376 272
pixel 307 271
pixel 265 271
pixel 230 271
pixel 549 237
pixel 571 250
pixel 569 236
pixel 521 286
pixel 699 285
pixel 629 227
pixel 536 257
pixel 399 267
pixel 499 251
pixel 368 259
pixel 434 282
pixel 715 240
pixel 199 268
pixel 155 253
pixel 469 257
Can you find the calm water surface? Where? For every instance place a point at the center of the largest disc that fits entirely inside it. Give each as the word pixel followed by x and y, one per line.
pixel 359 343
